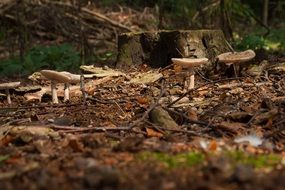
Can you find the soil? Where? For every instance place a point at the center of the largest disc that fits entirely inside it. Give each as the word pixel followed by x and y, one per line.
pixel 109 142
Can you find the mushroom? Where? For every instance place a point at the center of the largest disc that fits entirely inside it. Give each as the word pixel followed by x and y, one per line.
pixel 7 86
pixel 60 77
pixel 73 80
pixel 189 64
pixel 235 58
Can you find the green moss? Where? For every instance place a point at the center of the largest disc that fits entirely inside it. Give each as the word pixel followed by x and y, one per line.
pixel 173 160
pixel 197 158
pixel 4 158
pixel 257 161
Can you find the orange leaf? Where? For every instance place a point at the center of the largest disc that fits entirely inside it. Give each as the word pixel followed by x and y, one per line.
pixel 192 115
pixel 177 68
pixel 142 100
pixel 128 106
pixel 213 145
pixel 153 133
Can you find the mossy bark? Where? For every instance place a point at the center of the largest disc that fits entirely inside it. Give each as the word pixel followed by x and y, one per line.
pixel 157 48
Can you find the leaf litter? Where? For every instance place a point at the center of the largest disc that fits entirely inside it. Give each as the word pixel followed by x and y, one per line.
pixel 227 133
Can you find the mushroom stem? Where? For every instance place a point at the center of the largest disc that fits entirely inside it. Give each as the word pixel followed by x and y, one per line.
pixel 66 92
pixel 8 96
pixel 190 80
pixel 54 93
pixel 82 88
pixel 235 70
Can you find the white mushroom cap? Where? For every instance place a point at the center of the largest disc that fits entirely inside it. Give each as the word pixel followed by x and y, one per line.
pixel 62 77
pixel 236 57
pixel 189 62
pixel 73 78
pixel 9 85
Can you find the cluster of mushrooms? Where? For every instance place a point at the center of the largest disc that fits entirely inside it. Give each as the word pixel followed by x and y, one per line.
pixel 55 77
pixel 187 63
pixel 229 58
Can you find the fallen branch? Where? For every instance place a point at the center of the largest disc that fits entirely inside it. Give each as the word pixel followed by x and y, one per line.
pixel 97 15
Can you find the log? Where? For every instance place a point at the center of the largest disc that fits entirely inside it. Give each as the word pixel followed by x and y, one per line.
pixel 157 48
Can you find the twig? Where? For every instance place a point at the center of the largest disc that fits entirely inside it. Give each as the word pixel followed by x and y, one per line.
pixel 41 106
pixel 71 129
pixel 155 127
pixel 193 133
pixel 165 68
pixel 202 76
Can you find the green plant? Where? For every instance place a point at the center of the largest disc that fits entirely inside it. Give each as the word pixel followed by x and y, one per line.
pixel 62 57
pixel 172 161
pixel 251 42
pixel 4 158
pixel 257 161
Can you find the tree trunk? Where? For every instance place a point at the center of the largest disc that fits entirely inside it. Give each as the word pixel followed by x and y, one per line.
pixel 157 48
pixel 225 21
pixel 265 12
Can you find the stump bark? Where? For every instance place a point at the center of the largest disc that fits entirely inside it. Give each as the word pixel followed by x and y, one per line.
pixel 157 48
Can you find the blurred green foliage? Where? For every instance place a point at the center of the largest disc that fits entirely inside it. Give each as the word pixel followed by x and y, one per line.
pixel 274 42
pixel 251 41
pixel 197 158
pixel 172 161
pixel 62 57
pixel 257 161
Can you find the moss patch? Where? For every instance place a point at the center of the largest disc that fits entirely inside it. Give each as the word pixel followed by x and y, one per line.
pixel 197 158
pixel 257 161
pixel 170 160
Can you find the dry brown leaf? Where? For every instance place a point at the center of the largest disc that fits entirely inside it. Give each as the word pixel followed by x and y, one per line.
pixel 128 106
pixel 143 100
pixel 28 133
pixel 192 115
pixel 74 144
pixel 6 140
pixel 177 68
pixel 213 145
pixel 153 133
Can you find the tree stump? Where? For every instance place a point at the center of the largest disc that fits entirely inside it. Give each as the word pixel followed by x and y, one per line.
pixel 157 48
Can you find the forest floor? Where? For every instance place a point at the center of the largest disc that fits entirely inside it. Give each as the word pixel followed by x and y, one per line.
pixel 229 135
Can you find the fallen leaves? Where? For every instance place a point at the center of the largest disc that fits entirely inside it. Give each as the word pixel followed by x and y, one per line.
pixel 18 172
pixel 26 133
pixel 215 118
pixel 153 133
